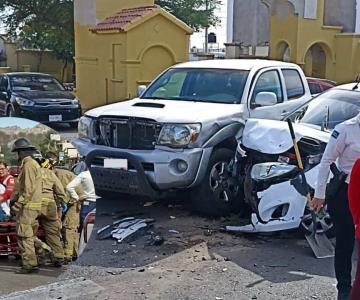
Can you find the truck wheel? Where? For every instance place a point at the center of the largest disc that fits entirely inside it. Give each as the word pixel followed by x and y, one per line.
pixel 219 193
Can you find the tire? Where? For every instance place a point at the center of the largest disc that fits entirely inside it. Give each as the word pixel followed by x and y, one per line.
pixel 325 225
pixel 218 194
pixel 10 112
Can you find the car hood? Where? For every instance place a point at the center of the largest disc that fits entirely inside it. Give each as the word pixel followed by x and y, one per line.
pixel 44 96
pixel 171 111
pixel 273 137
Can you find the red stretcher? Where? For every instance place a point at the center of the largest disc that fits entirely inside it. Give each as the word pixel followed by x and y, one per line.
pixel 8 239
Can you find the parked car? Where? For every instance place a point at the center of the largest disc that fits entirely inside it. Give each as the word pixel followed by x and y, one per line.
pixel 318 85
pixel 38 97
pixel 266 163
pixel 180 133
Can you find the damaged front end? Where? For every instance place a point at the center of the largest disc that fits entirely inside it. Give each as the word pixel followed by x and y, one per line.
pixel 273 187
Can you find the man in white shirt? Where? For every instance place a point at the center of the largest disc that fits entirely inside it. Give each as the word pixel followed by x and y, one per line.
pixel 89 199
pixel 344 149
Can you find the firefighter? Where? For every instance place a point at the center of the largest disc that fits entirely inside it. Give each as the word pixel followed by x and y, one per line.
pixel 36 190
pixel 71 217
pixel 343 148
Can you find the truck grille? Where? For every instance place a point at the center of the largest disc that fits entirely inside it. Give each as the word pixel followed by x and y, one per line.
pixel 128 133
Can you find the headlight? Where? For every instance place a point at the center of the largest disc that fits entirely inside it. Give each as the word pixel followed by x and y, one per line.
pixel 178 135
pixel 75 101
pixel 85 128
pixel 273 171
pixel 24 102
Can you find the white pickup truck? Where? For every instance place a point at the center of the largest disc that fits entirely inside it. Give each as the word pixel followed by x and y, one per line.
pixel 180 133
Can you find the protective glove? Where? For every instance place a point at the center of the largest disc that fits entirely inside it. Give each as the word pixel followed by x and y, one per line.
pixel 63 207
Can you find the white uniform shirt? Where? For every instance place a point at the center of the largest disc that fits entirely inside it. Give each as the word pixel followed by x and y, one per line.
pixel 85 179
pixel 343 148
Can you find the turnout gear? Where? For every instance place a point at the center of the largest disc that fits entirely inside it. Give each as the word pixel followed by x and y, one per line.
pixel 71 219
pixel 36 190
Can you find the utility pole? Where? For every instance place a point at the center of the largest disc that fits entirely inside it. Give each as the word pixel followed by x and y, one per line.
pixel 206 28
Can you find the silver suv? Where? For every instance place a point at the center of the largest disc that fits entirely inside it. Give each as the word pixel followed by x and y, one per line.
pixel 180 134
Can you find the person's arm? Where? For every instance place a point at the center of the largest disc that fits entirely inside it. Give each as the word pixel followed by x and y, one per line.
pixel 71 187
pixel 333 150
pixel 59 192
pixel 9 189
pixel 354 193
pixel 30 181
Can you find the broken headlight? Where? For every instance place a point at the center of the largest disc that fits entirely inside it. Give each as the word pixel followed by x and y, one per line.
pixel 86 128
pixel 273 172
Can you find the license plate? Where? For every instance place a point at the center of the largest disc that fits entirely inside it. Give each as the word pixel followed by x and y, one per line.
pixel 116 163
pixel 55 118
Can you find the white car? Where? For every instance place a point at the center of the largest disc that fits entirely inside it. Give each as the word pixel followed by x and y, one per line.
pixel 266 161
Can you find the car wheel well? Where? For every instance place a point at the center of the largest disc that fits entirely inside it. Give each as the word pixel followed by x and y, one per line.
pixel 229 143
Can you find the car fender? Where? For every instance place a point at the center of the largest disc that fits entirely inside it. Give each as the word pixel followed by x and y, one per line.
pixel 222 138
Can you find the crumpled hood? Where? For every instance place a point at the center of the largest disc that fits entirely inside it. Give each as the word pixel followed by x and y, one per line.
pixel 273 137
pixel 172 111
pixel 44 95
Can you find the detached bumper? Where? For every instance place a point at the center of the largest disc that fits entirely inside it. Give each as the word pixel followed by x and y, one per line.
pixel 150 172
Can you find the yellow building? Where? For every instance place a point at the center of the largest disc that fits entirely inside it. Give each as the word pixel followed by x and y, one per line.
pixel 132 43
pixel 13 59
pixel 323 51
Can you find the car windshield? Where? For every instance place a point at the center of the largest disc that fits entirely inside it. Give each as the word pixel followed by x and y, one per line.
pixel 35 83
pixel 329 109
pixel 203 85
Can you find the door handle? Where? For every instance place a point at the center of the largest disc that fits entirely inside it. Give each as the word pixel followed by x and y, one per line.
pixel 284 113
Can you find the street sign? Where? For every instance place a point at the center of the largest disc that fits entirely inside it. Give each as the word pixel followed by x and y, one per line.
pixel 212 38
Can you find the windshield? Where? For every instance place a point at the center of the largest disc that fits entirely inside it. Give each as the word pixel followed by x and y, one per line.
pixel 35 83
pixel 329 109
pixel 204 85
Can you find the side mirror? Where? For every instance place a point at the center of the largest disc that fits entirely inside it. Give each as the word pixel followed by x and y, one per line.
pixel 273 172
pixel 265 99
pixel 141 89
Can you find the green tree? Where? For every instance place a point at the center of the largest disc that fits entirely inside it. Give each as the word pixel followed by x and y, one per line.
pixel 197 14
pixel 42 25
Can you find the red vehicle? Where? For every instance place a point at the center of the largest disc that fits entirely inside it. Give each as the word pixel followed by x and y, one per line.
pixel 318 85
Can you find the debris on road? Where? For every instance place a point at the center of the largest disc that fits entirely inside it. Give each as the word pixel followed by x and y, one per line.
pixel 123 228
pixel 172 217
pixel 173 231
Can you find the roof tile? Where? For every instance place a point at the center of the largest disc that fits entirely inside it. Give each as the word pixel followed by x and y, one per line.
pixel 122 18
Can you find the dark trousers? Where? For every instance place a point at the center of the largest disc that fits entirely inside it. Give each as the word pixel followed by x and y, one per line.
pixel 338 208
pixel 86 207
pixel 355 292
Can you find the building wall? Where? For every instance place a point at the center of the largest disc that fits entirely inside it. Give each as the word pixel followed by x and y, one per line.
pixel 340 13
pixel 110 65
pixel 251 22
pixel 310 41
pixel 29 60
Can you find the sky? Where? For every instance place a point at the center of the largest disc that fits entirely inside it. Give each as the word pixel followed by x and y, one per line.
pixel 198 38
pixel 22 123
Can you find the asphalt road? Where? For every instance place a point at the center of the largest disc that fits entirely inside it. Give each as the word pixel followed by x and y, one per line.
pixel 196 260
pixel 226 266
